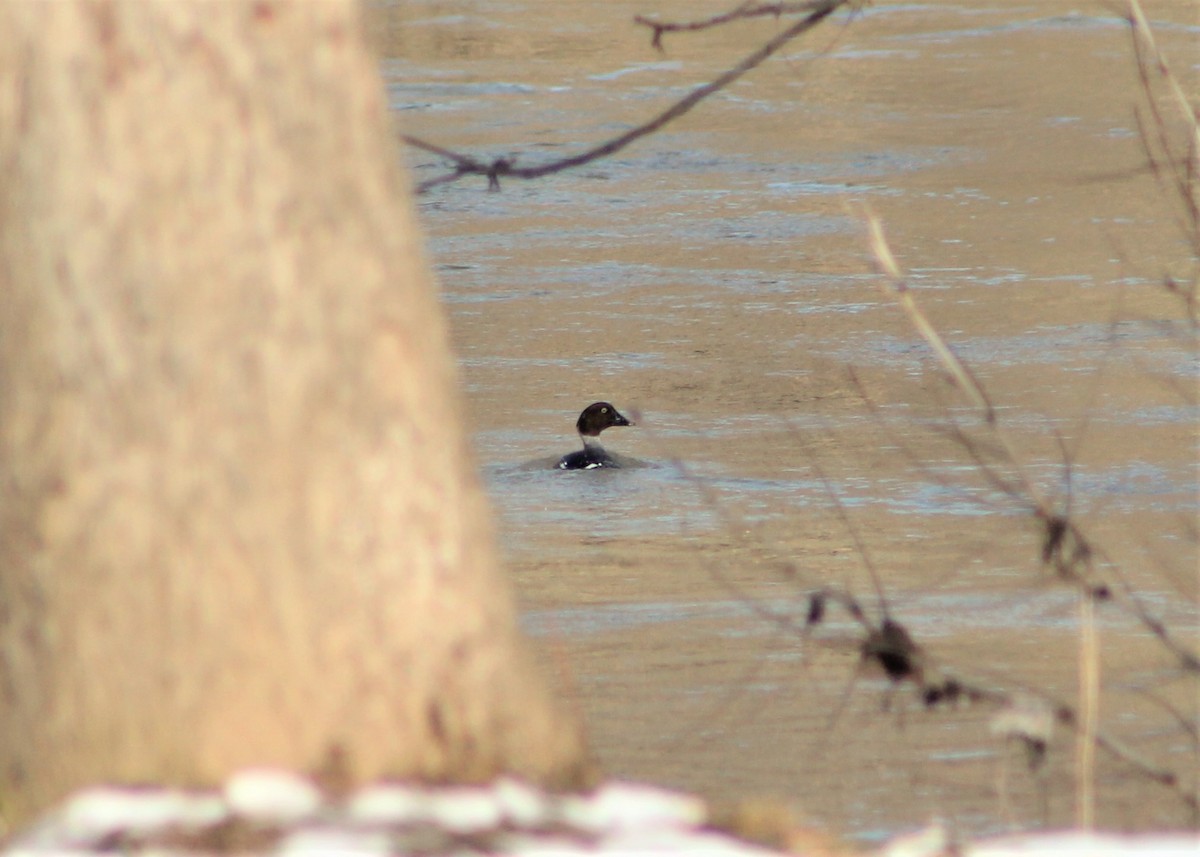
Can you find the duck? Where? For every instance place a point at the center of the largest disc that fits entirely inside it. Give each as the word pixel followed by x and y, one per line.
pixel 595 418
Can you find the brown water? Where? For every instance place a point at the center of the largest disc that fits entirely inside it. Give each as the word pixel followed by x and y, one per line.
pixel 717 278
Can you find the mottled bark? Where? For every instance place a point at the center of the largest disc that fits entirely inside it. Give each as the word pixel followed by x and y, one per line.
pixel 238 520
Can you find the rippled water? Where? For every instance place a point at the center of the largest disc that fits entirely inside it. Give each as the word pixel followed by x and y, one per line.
pixel 716 277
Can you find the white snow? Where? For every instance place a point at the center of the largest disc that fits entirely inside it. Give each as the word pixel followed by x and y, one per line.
pixel 509 818
pixel 465 810
pixel 520 803
pixel 619 806
pixel 96 814
pixel 389 803
pixel 271 796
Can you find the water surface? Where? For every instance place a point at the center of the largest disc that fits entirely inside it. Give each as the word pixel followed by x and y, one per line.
pixel 716 277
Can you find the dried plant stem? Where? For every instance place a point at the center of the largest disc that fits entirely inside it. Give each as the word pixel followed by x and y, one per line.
pixel 1141 28
pixel 1065 547
pixel 898 288
pixel 1174 163
pixel 927 675
pixel 1089 713
pixel 894 285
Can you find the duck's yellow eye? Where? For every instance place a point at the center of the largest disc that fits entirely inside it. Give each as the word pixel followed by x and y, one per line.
pixel 604 410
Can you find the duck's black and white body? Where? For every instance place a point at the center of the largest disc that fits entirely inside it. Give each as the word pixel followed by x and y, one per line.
pixel 594 419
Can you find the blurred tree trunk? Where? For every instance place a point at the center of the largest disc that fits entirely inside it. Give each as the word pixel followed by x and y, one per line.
pixel 238 521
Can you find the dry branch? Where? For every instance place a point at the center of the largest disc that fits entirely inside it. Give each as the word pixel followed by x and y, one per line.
pixel 743 12
pixel 1175 165
pixel 505 167
pixel 1065 547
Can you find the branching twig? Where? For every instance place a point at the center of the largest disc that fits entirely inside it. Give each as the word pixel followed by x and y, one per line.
pixel 1065 546
pixel 889 645
pixel 905 661
pixel 505 167
pixel 746 10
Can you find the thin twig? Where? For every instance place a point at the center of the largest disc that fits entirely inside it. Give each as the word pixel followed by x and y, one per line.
pixel 890 644
pixel 1137 19
pixel 1176 166
pixel 847 523
pixel 743 12
pixel 736 526
pixel 1066 546
pixel 899 290
pixel 506 167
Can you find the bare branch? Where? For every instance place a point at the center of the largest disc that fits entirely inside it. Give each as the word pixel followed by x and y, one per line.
pixel 1065 546
pixel 505 167
pixel 745 11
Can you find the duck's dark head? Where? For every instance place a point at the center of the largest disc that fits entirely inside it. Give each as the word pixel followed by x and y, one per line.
pixel 597 417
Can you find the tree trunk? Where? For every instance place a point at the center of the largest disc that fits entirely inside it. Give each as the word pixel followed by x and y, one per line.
pixel 238 520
